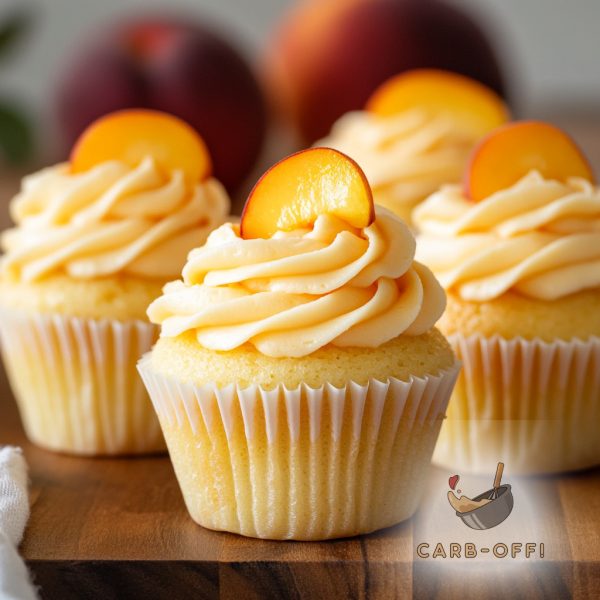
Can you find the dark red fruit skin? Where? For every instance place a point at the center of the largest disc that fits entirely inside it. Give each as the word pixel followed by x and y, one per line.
pixel 180 68
pixel 373 40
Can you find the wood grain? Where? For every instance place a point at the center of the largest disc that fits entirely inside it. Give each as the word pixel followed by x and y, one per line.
pixel 106 528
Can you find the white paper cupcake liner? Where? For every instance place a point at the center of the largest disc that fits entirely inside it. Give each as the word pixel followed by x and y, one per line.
pixel 300 463
pixel 76 383
pixel 531 404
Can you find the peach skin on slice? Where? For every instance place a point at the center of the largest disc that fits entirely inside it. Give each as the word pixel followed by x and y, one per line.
pixel 510 152
pixel 475 107
pixel 299 188
pixel 132 135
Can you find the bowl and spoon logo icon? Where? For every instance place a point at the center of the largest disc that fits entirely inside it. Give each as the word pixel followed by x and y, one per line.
pixel 487 509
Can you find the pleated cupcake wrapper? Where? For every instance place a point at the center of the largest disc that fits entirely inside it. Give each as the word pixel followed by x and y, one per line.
pixel 532 404
pixel 76 383
pixel 300 463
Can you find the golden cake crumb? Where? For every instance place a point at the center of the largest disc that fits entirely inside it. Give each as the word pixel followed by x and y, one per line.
pixel 512 315
pixel 184 359
pixel 119 297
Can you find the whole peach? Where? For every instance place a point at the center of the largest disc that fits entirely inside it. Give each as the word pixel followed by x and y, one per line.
pixel 328 56
pixel 181 68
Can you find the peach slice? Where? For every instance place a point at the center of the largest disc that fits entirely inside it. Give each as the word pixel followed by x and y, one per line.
pixel 510 152
pixel 131 135
pixel 475 107
pixel 299 188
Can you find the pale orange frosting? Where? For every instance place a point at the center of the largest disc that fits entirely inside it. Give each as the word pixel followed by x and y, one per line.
pixel 108 220
pixel 298 291
pixel 540 237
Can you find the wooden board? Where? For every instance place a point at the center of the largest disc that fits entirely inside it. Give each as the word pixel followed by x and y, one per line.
pixel 107 528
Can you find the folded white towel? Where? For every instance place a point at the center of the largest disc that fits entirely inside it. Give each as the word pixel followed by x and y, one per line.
pixel 14 512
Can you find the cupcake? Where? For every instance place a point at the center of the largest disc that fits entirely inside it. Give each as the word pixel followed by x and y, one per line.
pixel 518 251
pixel 416 133
pixel 299 380
pixel 95 240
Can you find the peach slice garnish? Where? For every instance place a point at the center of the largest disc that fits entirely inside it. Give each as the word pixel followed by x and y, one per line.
pixel 299 188
pixel 474 107
pixel 510 152
pixel 132 135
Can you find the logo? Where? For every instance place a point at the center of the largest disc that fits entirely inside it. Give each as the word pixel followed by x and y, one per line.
pixel 481 511
pixel 486 510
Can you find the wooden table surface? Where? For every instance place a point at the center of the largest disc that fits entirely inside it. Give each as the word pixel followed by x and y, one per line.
pixel 118 528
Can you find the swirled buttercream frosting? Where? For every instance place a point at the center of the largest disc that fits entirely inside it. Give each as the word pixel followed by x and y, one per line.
pixel 110 219
pixel 539 237
pixel 406 156
pixel 297 291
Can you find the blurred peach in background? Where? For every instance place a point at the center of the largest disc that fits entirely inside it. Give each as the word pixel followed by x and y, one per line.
pixel 178 66
pixel 327 57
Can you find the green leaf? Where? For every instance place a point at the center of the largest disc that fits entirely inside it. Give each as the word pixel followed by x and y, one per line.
pixel 13 28
pixel 16 139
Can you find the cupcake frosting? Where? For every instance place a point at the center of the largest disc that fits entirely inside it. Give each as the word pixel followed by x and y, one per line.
pixel 540 238
pixel 111 219
pixel 406 157
pixel 298 291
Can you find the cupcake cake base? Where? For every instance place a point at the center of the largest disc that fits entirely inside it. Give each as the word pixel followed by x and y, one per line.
pixel 300 462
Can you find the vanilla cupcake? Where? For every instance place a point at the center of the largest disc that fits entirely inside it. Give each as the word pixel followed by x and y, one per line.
pixel 299 380
pixel 416 133
pixel 94 242
pixel 519 255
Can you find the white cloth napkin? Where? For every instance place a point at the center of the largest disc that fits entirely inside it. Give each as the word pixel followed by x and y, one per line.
pixel 14 512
